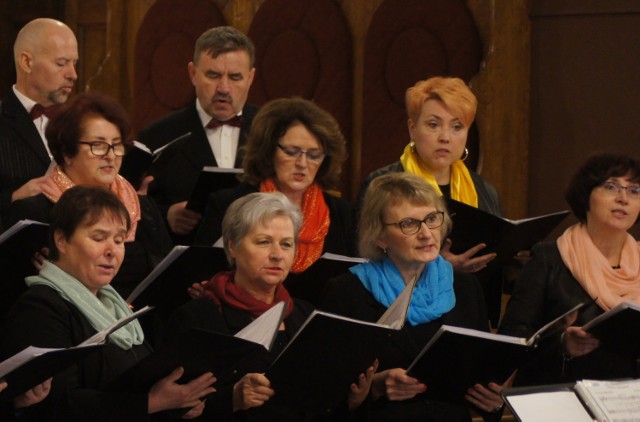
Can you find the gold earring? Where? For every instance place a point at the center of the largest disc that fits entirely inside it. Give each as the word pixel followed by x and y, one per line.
pixel 412 146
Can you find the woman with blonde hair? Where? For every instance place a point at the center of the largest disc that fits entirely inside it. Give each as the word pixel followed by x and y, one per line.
pixel 440 113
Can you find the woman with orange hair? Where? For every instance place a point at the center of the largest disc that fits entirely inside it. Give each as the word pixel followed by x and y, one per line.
pixel 441 111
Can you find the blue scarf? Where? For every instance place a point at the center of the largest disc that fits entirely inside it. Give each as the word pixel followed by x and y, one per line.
pixel 432 295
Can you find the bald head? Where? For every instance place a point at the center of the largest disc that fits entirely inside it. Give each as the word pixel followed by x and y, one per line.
pixel 46 53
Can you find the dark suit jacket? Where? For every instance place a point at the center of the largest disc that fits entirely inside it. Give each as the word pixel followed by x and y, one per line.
pixel 23 155
pixel 545 290
pixel 341 238
pixel 42 318
pixel 176 171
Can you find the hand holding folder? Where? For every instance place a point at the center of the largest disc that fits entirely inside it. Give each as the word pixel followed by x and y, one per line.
pixel 457 358
pixel 34 365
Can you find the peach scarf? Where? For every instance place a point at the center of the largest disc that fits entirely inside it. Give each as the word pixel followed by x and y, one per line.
pixel 593 271
pixel 315 225
pixel 57 182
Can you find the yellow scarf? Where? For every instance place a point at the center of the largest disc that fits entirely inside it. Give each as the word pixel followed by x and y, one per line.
pixel 592 269
pixel 462 187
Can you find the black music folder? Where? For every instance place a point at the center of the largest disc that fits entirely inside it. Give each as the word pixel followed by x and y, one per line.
pixel 18 244
pixel 615 329
pixel 457 358
pixel 211 179
pixel 34 365
pixel 329 352
pixel 199 351
pixel 309 284
pixel 140 157
pixel 166 286
pixel 472 226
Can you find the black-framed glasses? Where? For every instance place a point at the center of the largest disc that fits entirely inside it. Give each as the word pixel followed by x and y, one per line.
pixel 100 149
pixel 614 189
pixel 411 226
pixel 315 155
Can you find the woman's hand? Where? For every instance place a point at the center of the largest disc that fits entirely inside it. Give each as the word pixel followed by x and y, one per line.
pixel 181 220
pixel 487 398
pixel 466 261
pixel 167 394
pixel 195 411
pixel 396 385
pixel 39 258
pixel 251 391
pixel 196 289
pixel 359 391
pixel 577 342
pixel 33 396
pixel 144 185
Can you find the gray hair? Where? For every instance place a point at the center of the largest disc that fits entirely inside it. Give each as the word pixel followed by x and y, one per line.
pixel 223 39
pixel 258 207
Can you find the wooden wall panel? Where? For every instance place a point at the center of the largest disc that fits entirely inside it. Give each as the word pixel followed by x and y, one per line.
pixel 584 90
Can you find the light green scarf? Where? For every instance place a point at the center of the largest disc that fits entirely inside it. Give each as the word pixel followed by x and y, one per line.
pixel 101 310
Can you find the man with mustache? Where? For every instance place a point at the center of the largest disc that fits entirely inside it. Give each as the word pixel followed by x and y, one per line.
pixel 45 54
pixel 222 71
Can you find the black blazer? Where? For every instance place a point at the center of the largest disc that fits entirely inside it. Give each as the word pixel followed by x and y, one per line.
pixel 341 238
pixel 23 155
pixel 42 318
pixel 545 290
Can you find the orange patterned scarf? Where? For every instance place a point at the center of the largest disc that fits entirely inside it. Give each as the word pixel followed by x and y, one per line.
pixel 315 225
pixel 593 271
pixel 57 182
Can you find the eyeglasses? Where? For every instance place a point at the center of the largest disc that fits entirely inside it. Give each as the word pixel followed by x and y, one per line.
pixel 614 189
pixel 100 149
pixel 315 155
pixel 411 226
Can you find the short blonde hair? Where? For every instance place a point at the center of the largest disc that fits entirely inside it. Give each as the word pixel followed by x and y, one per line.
pixel 389 190
pixel 453 93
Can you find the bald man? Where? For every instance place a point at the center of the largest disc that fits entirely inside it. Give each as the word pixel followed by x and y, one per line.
pixel 45 54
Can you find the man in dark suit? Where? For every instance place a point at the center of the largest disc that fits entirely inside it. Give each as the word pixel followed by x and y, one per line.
pixel 45 53
pixel 222 71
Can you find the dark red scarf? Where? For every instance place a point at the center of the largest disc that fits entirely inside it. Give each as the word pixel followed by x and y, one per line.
pixel 222 290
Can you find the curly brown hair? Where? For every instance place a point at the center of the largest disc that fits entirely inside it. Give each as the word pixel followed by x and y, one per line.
pixel 272 122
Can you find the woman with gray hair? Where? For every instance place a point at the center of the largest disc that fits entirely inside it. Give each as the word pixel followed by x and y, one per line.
pixel 260 232
pixel 403 224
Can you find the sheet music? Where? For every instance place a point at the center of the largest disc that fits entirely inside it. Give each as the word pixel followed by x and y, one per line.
pixel 549 406
pixel 615 401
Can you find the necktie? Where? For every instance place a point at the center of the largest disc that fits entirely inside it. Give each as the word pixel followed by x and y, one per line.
pixel 38 110
pixel 234 121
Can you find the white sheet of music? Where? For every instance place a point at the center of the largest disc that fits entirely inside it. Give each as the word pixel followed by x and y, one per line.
pixel 612 400
pixel 549 406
